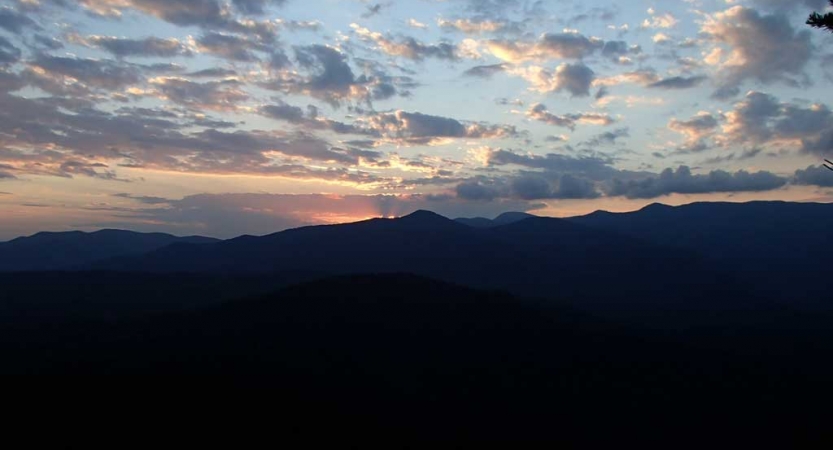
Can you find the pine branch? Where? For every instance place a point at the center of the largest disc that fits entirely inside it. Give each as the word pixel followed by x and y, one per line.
pixel 824 21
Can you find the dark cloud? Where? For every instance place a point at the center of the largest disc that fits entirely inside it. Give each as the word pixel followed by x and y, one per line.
pixel 230 46
pixel 592 168
pixel 417 128
pixel 9 54
pixel 540 187
pixel 214 95
pixel 697 130
pixel 146 47
pixel 14 21
pixel 96 73
pixel 372 10
pixel 682 181
pixel 577 79
pixel 608 137
pixel 619 51
pixel 678 82
pixel 254 7
pixel 765 48
pixel 213 72
pixel 312 120
pixel 408 46
pixel 547 47
pixel 540 113
pixel 814 176
pixel 485 71
pixel 761 118
pixel 781 5
pixel 331 78
pixel 474 190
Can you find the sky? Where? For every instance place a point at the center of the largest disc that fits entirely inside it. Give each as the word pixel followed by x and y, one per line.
pixel 231 117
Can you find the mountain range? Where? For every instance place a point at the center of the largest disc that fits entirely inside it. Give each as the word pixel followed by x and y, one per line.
pixel 688 257
pixel 432 326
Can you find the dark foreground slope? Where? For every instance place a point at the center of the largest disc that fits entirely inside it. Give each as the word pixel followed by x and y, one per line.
pixel 429 358
pixel 69 250
pixel 780 249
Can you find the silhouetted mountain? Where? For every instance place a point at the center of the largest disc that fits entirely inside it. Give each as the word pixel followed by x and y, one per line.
pixel 503 219
pixel 435 358
pixel 49 297
pixel 547 258
pixel 57 251
pixel 777 247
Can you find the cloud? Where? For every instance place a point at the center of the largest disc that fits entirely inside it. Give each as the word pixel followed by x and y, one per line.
pixel 146 139
pixel 9 54
pixel 749 45
pixel 145 47
pixel 474 190
pixel 678 82
pixel 814 176
pixel 592 168
pixel 222 95
pixel 15 22
pixel 485 71
pixel 608 137
pixel 573 78
pixel 696 129
pixel 408 47
pixel 95 73
pixel 420 129
pixel 540 113
pixel 540 187
pixel 312 120
pixel 229 46
pixel 682 181
pixel 548 46
pixel 470 26
pixel 781 5
pixel 255 7
pixel 329 78
pixel 761 118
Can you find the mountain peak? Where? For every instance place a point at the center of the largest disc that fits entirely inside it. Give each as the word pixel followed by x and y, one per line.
pixel 656 207
pixel 423 215
pixel 512 217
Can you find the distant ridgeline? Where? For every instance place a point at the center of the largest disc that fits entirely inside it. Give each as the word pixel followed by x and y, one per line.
pixel 703 255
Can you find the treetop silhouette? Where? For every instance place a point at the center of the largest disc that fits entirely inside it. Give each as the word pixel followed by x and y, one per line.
pixel 823 21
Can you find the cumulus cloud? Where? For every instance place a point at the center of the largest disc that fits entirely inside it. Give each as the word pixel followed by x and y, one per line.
pixel 222 95
pixel 548 46
pixel 145 47
pixel 696 130
pixel 761 118
pixel 814 176
pixel 573 78
pixel 540 113
pixel 470 26
pixel 408 46
pixel 95 73
pixel 418 128
pixel 14 21
pixel 230 46
pixel 608 137
pixel 485 71
pixel 677 82
pixel 330 78
pixel 749 45
pixel 682 181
